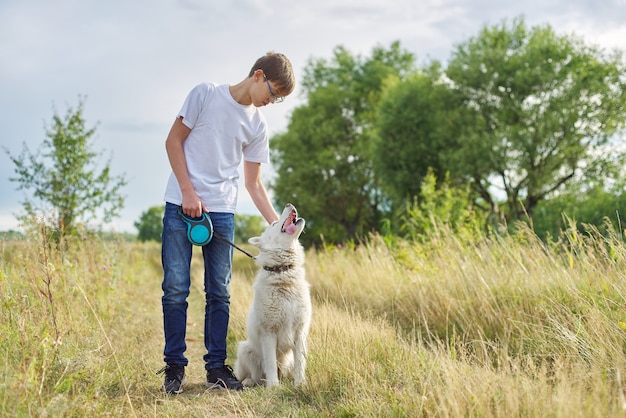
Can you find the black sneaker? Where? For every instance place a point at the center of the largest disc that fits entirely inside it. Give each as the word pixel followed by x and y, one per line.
pixel 174 378
pixel 222 378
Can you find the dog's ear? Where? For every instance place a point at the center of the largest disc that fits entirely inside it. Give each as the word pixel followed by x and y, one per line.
pixel 255 241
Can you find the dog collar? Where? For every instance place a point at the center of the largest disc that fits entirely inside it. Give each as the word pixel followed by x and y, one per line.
pixel 279 269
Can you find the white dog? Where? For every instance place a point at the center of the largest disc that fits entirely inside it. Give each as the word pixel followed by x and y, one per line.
pixel 280 316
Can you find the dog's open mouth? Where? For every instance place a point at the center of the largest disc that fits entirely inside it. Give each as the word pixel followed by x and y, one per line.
pixel 289 226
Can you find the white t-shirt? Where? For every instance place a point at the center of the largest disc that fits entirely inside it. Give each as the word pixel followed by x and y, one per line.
pixel 222 133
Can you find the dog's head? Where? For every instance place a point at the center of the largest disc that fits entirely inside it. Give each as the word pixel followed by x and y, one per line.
pixel 283 233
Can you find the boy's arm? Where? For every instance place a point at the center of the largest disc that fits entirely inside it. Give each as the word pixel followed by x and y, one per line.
pixel 192 205
pixel 257 191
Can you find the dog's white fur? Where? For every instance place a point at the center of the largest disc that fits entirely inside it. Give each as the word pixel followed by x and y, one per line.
pixel 280 316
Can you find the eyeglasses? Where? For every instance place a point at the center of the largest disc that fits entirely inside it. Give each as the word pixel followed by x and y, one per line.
pixel 274 98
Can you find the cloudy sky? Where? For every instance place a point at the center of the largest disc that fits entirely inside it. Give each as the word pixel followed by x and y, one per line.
pixel 135 60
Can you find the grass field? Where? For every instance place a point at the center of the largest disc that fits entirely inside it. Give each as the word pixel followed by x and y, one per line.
pixel 498 327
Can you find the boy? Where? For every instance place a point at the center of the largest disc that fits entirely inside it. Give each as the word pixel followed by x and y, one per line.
pixel 217 126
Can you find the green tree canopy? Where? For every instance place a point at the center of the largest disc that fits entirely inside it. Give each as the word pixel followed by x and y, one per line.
pixel 324 160
pixel 150 224
pixel 544 110
pixel 65 182
pixel 418 123
pixel 248 226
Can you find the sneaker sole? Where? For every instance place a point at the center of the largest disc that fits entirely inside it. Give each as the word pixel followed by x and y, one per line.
pixel 220 386
pixel 216 386
pixel 176 392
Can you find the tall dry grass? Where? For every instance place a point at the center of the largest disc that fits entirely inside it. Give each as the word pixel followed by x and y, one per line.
pixel 494 327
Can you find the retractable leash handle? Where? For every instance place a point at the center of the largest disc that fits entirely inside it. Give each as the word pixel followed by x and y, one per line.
pixel 199 230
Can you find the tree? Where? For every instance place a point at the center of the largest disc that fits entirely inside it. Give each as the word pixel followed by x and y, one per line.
pixel 324 160
pixel 595 206
pixel 544 109
pixel 63 176
pixel 418 123
pixel 438 203
pixel 248 226
pixel 150 224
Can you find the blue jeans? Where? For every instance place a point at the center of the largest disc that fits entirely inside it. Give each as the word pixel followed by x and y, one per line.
pixel 176 253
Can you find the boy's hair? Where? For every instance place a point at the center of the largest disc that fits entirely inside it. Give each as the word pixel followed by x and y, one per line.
pixel 277 68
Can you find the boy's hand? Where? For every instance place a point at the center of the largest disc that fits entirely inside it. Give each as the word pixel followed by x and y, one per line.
pixel 193 206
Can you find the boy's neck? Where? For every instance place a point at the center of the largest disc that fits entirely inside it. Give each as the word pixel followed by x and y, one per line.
pixel 240 92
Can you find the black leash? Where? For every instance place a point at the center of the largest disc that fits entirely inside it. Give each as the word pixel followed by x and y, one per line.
pixel 200 231
pixel 216 235
pixel 278 269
